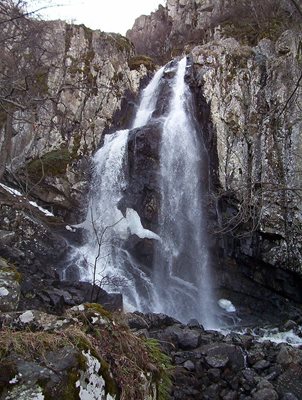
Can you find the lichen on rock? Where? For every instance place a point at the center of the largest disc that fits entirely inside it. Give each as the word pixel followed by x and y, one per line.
pixel 9 287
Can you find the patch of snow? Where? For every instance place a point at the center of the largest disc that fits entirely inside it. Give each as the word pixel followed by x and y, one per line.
pixel 135 226
pixel 80 307
pixel 3 292
pixel 44 211
pixel 70 228
pixel 91 383
pixel 10 190
pixel 226 305
pixel 15 192
pixel 14 380
pixel 27 317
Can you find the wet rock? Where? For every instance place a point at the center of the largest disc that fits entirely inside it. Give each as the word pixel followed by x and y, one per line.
pixel 193 323
pixel 249 375
pixel 230 396
pixel 255 355
pixel 158 321
pixel 284 357
pixel 291 381
pixel 261 365
pixel 55 296
pixel 233 353
pixel 212 392
pixel 189 365
pixel 289 325
pixel 136 321
pixel 185 339
pixel 214 374
pixel 219 361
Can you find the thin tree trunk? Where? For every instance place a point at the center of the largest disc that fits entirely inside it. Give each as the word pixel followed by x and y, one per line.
pixel 5 143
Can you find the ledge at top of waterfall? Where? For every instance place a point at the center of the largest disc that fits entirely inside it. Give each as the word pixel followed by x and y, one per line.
pixel 171 275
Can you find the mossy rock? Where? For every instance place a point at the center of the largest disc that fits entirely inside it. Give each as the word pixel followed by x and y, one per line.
pixel 250 33
pixel 136 61
pixel 162 378
pixel 9 287
pixel 53 163
pixel 120 42
pixel 11 269
pixel 95 307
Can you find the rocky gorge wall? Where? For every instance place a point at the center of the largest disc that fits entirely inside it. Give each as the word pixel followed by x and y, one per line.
pixel 248 102
pixel 86 81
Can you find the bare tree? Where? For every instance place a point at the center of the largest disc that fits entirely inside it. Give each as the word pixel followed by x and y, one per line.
pixel 23 68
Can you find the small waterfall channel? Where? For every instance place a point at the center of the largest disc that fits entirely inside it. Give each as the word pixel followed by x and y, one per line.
pixel 178 282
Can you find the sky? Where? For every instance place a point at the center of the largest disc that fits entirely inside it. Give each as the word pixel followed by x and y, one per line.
pixel 106 15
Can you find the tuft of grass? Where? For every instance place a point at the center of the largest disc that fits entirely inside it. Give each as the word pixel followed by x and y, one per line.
pixel 128 362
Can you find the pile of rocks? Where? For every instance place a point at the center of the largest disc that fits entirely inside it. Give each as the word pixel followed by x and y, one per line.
pixel 209 365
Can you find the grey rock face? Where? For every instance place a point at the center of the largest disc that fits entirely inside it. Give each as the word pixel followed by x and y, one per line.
pixel 257 141
pixel 254 138
pixel 87 83
pixel 164 34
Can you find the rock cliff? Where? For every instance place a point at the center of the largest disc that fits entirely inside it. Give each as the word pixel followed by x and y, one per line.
pixel 248 98
pixel 86 82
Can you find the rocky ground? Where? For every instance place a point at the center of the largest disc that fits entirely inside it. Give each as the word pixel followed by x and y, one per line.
pixel 87 352
pixel 208 365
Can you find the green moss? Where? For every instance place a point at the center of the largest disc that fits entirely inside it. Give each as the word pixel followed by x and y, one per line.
pixel 41 81
pixel 53 163
pixel 120 42
pixel 136 61
pixel 99 309
pixel 163 377
pixel 71 392
pixel 76 145
pixel 249 32
pixel 110 385
pixel 11 269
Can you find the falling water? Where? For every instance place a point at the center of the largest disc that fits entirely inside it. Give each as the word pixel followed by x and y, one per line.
pixel 180 283
pixel 181 275
pixel 106 227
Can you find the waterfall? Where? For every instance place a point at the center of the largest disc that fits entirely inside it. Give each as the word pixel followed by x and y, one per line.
pixel 179 283
pixel 181 270
pixel 105 226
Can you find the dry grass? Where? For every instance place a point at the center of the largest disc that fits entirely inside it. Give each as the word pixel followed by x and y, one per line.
pixel 133 362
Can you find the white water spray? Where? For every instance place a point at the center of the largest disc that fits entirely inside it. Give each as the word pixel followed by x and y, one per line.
pixel 181 276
